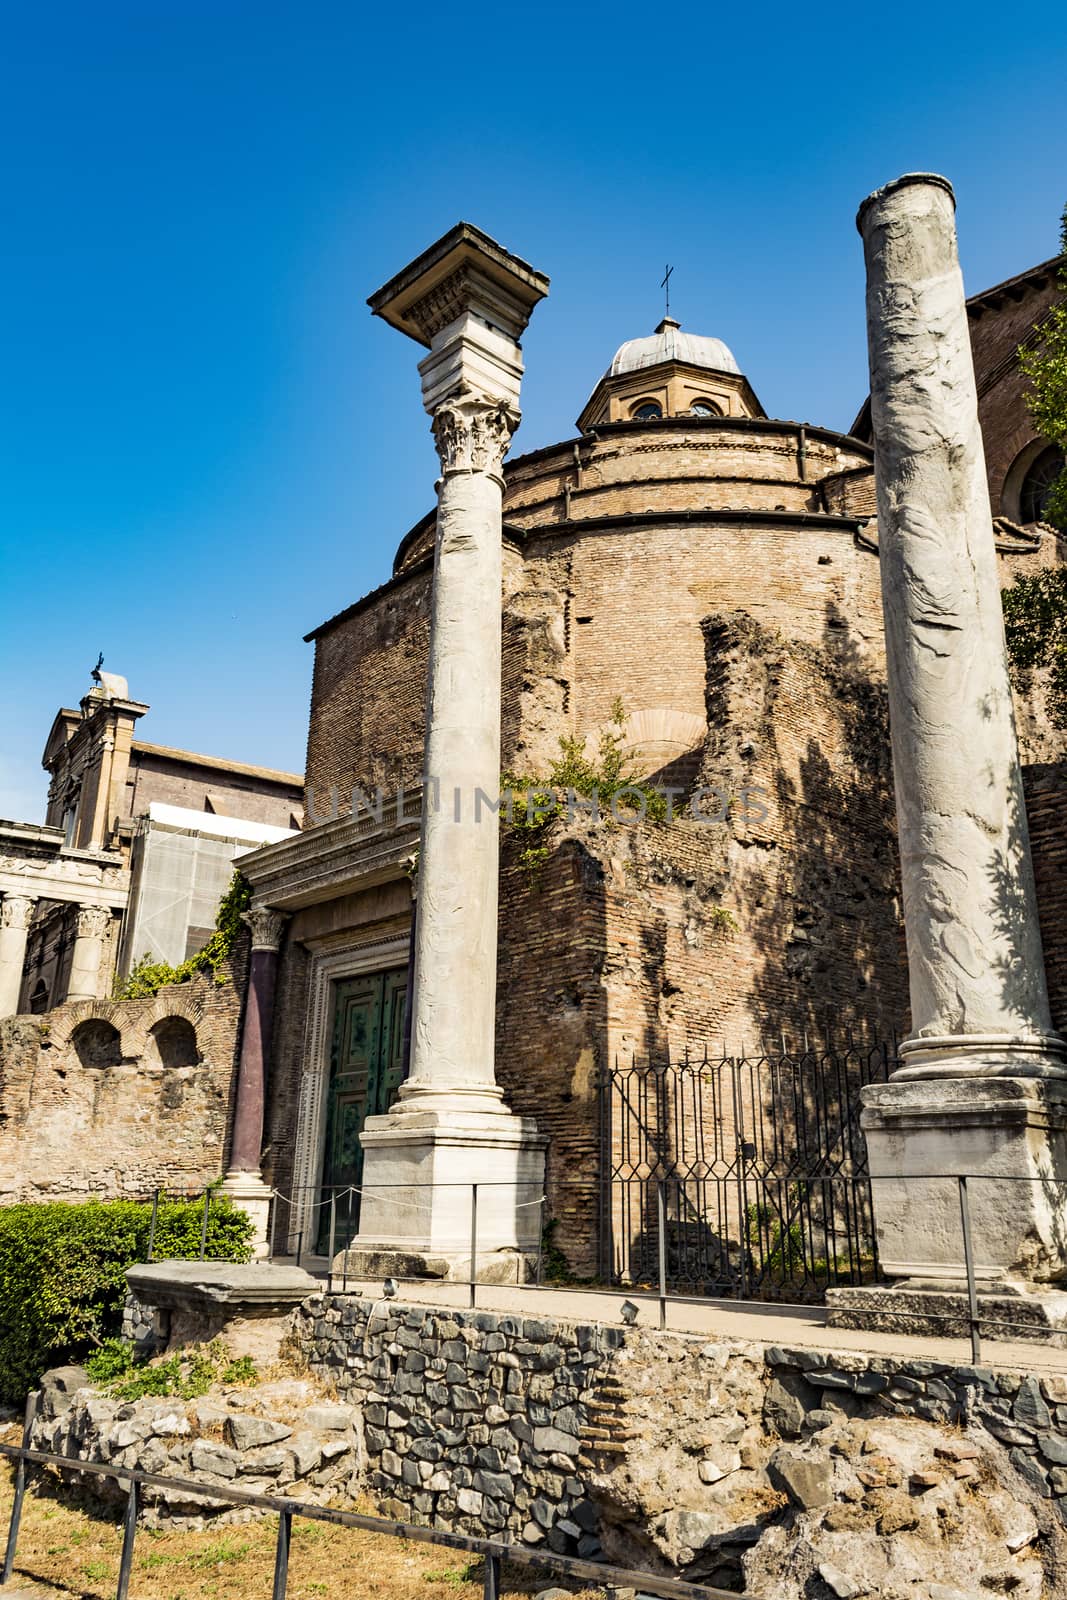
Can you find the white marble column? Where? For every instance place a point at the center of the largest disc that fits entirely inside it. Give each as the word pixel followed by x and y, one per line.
pixel 454 998
pixel 978 995
pixel 91 928
pixel 469 301
pixel 981 1092
pixel 16 914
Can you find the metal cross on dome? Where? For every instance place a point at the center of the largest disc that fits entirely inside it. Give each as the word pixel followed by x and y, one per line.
pixel 666 287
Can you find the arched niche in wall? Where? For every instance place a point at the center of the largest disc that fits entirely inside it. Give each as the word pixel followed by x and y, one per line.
pixel 97 1044
pixel 172 1042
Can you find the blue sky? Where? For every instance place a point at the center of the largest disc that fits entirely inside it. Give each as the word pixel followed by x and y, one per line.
pixel 207 445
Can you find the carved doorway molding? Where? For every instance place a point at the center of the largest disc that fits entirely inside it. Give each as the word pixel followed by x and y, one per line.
pixel 326 972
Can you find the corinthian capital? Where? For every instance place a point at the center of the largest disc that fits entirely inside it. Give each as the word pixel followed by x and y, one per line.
pixel 472 433
pixel 16 911
pixel 266 925
pixel 92 922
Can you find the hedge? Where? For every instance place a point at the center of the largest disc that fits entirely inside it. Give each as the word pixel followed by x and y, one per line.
pixel 63 1266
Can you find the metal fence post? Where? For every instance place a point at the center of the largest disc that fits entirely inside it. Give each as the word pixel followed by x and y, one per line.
pixel 333 1240
pixel 273 1222
pixel 491 1588
pixel 968 1261
pixel 661 1236
pixel 281 1555
pixel 540 1239
pixel 203 1224
pixel 474 1243
pixel 20 1489
pixel 128 1534
pixel 152 1226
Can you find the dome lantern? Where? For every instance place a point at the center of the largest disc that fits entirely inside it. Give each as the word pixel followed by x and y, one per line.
pixel 670 373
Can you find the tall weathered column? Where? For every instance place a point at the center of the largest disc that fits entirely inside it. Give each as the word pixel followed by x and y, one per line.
pixel 469 301
pixel 90 930
pixel 16 914
pixel 244 1180
pixel 981 1090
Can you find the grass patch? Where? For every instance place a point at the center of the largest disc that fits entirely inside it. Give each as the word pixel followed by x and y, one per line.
pixel 78 1551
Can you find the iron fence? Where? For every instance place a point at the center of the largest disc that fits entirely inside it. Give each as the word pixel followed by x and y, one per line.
pixel 757 1163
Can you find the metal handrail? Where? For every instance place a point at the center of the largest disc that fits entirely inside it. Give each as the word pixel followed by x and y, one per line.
pixel 494 1552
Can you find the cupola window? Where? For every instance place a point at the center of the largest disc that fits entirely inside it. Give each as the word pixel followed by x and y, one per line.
pixel 647 408
pixel 705 408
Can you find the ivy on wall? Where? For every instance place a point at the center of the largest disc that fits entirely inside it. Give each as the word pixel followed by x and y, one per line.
pixel 1035 629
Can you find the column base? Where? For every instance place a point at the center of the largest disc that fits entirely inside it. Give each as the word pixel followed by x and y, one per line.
pixel 251 1195
pixel 419 1168
pixel 1008 1137
pixel 976 1055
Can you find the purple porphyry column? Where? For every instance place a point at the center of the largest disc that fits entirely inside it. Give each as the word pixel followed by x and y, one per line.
pixel 244 1181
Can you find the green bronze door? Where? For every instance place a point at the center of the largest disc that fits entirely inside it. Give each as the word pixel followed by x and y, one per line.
pixel 366 1070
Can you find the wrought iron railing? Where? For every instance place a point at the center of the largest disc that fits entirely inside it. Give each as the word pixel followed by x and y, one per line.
pixel 757 1162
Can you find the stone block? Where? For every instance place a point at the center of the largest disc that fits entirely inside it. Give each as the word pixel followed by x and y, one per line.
pixel 248 1433
pixel 328 1419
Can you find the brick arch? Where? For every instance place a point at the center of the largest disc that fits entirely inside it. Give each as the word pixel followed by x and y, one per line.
pixel 653 737
pixel 169 1002
pixel 62 1027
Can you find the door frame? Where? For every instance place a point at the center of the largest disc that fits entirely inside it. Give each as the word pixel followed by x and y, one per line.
pixel 309 1144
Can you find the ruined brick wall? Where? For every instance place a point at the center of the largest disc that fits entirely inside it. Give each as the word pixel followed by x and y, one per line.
pixel 552 1004
pixel 109 1098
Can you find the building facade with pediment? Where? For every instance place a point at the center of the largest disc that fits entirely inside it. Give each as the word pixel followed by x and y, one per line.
pixel 134 853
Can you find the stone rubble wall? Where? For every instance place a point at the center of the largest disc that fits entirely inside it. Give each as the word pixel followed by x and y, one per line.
pixel 278 1438
pixel 727 1461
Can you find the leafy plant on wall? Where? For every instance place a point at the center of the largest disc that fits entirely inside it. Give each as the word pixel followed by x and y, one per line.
pixel 148 976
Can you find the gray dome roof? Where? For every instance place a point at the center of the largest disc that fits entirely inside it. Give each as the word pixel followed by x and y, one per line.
pixel 669 343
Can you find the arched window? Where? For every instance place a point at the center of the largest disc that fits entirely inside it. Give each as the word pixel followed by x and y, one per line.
pixel 97 1043
pixel 172 1043
pixel 705 408
pixel 645 409
pixel 1037 484
pixel 39 997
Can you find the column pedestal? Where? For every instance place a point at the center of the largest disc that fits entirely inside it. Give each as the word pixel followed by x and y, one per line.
pixel 1008 1138
pixel 416 1206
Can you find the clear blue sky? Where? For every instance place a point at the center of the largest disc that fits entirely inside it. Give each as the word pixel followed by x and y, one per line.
pixel 207 445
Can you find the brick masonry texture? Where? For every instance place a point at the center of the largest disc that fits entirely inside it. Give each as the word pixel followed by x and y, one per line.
pixel 94 1107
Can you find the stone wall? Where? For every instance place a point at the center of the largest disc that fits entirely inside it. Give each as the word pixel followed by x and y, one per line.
pixel 783 1468
pixel 640 942
pixel 279 1437
pixel 111 1097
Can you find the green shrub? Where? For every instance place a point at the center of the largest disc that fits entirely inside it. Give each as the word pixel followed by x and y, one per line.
pixel 63 1273
pixel 187 1374
pixel 148 976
